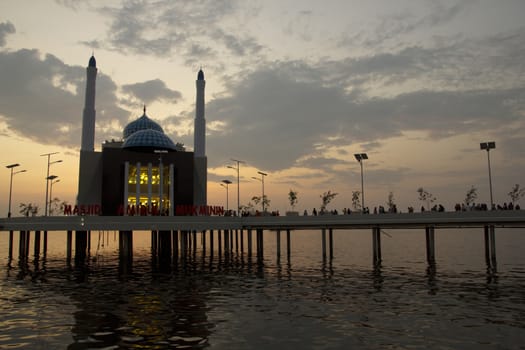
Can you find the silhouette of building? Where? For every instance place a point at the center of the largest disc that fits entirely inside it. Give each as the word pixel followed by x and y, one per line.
pixel 145 173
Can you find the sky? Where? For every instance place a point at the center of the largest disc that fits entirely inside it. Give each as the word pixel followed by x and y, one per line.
pixel 294 88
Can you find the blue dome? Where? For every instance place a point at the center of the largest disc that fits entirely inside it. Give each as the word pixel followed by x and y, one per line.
pixel 149 138
pixel 143 123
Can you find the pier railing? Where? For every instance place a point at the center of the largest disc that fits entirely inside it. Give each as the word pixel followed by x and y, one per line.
pixel 510 218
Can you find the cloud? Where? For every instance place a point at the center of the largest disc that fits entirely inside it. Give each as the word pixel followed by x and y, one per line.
pixel 151 91
pixel 185 28
pixel 388 31
pixel 42 99
pixel 275 116
pixel 6 28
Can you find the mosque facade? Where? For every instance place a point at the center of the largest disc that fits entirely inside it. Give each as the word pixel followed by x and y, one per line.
pixel 144 173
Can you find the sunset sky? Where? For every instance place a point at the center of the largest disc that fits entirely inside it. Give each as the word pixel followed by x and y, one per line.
pixel 293 87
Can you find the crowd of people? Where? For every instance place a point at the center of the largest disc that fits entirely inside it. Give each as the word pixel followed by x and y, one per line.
pixel 382 210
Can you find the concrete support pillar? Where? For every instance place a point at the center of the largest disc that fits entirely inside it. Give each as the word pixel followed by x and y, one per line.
pixel 164 248
pixel 89 243
pixel 288 248
pixel 10 245
pixel 80 246
pixel 260 244
pixel 376 244
pixel 226 242
pixel 69 240
pixel 431 252
pixel 249 242
pixel 37 244
pixel 278 239
pixel 211 244
pixel 45 244
pixel 23 244
pixel 175 244
pixel 323 242
pixel 242 240
pixel 331 243
pixel 154 243
pixel 125 247
pixel 184 244
pixel 219 243
pixel 203 233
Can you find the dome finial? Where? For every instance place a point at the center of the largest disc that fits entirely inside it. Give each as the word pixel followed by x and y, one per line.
pixel 92 61
pixel 144 109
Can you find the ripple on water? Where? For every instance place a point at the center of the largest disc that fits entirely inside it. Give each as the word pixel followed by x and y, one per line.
pixel 236 303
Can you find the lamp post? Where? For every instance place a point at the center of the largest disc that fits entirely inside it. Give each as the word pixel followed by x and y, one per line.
pixel 160 152
pixel 488 146
pixel 238 168
pixel 225 185
pixel 12 166
pixel 360 157
pixel 52 179
pixel 262 181
pixel 49 163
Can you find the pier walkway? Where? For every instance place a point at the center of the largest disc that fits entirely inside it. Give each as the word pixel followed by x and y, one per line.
pixel 498 218
pixel 174 236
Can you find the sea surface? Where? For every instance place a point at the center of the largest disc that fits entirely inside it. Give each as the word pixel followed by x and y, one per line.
pixel 235 301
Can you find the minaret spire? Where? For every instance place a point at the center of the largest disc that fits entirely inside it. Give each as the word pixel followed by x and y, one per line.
pixel 200 178
pixel 89 180
pixel 199 136
pixel 89 114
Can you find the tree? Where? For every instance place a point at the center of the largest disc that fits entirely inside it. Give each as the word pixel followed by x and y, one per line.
pixel 28 208
pixel 356 200
pixel 390 203
pixel 426 196
pixel 292 197
pixel 56 206
pixel 516 193
pixel 471 196
pixel 266 201
pixel 326 198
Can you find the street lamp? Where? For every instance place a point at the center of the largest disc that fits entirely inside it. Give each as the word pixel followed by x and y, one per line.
pixel 48 155
pixel 360 157
pixel 262 180
pixel 225 185
pixel 238 183
pixel 12 166
pixel 488 146
pixel 52 179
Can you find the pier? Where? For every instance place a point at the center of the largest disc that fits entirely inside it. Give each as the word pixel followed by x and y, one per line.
pixel 175 236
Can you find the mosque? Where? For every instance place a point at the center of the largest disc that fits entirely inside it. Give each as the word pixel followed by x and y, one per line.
pixel 145 173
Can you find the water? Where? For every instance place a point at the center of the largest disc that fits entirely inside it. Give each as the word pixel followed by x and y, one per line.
pixel 237 303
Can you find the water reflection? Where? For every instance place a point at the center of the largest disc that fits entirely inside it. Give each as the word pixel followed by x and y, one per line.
pixel 234 300
pixel 377 276
pixel 431 278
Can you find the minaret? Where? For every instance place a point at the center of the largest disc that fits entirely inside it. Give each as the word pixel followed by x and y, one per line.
pixel 200 177
pixel 199 137
pixel 89 174
pixel 88 117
